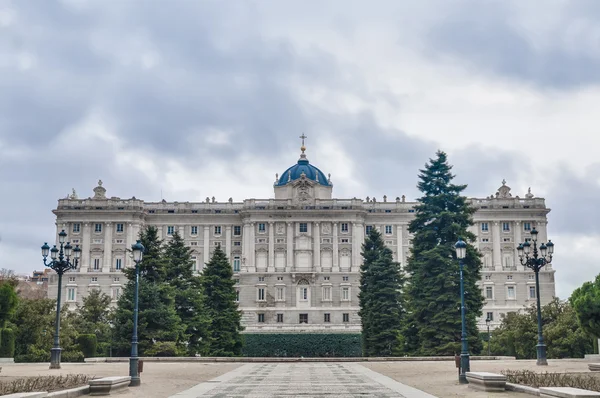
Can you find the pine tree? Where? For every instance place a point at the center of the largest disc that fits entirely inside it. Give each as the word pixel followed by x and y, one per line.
pixel 160 330
pixel 381 299
pixel 189 297
pixel 218 287
pixel 94 317
pixel 442 217
pixel 153 267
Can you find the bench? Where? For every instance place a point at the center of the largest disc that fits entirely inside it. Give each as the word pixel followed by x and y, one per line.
pixel 106 385
pixel 567 392
pixel 484 381
pixel 594 367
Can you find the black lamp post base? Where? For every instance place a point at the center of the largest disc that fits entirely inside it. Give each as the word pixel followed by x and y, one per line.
pixel 135 382
pixel 134 372
pixel 541 355
pixel 55 358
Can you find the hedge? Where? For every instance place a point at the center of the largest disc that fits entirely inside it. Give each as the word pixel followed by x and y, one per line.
pixel 7 343
pixel 88 344
pixel 302 345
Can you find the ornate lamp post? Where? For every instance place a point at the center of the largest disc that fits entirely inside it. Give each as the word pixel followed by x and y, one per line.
pixel 138 252
pixel 536 261
pixel 60 262
pixel 461 253
pixel 487 322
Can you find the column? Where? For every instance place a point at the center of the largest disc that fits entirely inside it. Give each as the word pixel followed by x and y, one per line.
pixel 289 266
pixel 159 231
pixel 400 246
pixel 206 244
pixel 355 241
pixel 85 247
pixel 336 249
pixel 252 256
pixel 543 235
pixel 517 228
pixel 107 260
pixel 271 264
pixel 244 245
pixel 317 247
pixel 182 231
pixel 128 243
pixel 228 242
pixel 496 254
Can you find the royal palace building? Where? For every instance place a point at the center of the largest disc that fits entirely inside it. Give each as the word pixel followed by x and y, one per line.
pixel 296 256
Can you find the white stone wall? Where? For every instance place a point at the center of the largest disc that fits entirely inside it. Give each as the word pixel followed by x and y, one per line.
pixel 286 240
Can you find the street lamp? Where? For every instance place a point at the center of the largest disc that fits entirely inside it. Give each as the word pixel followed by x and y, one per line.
pixel 487 322
pixel 138 252
pixel 536 262
pixel 60 262
pixel 461 253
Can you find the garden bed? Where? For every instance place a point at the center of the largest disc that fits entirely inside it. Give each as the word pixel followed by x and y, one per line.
pixel 14 384
pixel 584 380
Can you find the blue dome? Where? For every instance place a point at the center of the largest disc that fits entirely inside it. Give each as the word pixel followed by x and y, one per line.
pixel 303 166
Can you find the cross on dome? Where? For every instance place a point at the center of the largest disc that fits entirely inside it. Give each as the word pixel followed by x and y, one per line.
pixel 303 148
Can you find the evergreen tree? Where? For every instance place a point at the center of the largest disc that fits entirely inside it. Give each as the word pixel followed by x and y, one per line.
pixel 586 302
pixel 160 330
pixel 218 286
pixel 153 267
pixel 94 317
pixel 381 299
pixel 189 298
pixel 443 216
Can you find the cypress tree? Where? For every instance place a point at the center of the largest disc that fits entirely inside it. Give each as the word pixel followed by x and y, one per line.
pixel 443 216
pixel 218 286
pixel 381 299
pixel 160 330
pixel 189 298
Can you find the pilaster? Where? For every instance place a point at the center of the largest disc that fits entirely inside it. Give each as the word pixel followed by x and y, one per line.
pixel 271 261
pixel 252 257
pixel 228 242
pixel 85 247
pixel 336 249
pixel 289 266
pixel 107 259
pixel 317 246
pixel 496 253
pixel 128 243
pixel 400 246
pixel 206 244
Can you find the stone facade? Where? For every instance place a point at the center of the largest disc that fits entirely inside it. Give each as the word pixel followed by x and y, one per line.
pixel 296 258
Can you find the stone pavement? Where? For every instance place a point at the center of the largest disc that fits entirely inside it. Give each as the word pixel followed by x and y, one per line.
pixel 266 380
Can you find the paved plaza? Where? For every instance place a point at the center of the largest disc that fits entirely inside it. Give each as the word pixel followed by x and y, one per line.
pixel 269 380
pixel 306 379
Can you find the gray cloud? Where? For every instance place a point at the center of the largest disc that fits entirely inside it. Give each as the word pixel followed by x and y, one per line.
pixel 163 78
pixel 488 38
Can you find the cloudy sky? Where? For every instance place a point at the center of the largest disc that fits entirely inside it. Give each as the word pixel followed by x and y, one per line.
pixel 189 99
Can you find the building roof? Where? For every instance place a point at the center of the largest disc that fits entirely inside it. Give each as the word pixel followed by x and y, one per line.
pixel 303 167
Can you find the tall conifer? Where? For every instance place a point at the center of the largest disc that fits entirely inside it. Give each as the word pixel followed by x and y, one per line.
pixel 442 216
pixel 189 298
pixel 160 330
pixel 218 286
pixel 381 299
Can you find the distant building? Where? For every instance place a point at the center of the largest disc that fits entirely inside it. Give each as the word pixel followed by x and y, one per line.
pixel 296 257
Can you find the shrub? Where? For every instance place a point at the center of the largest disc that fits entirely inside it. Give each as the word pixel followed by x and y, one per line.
pixel 163 349
pixel 71 356
pixel 88 344
pixel 302 345
pixel 7 343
